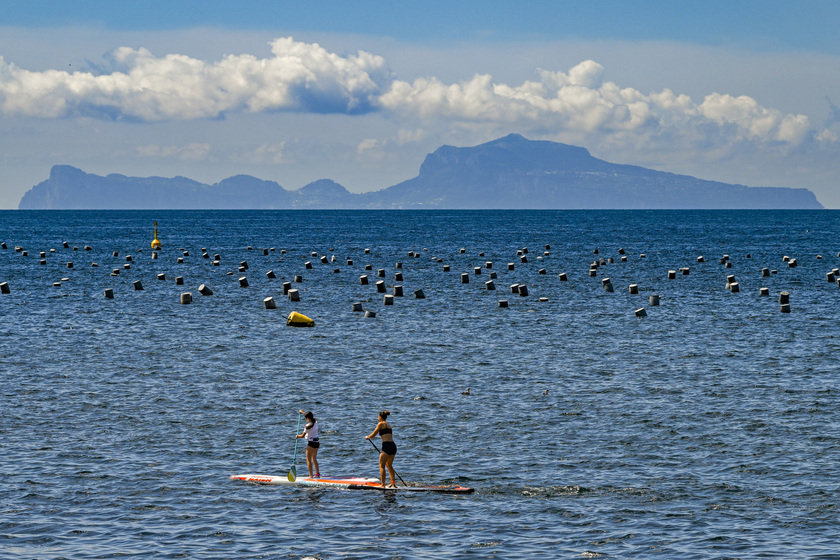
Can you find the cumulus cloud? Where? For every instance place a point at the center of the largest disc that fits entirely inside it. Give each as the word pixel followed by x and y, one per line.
pixel 576 105
pixel 410 136
pixel 753 122
pixel 581 104
pixel 191 152
pixel 140 86
pixel 262 154
pixel 371 149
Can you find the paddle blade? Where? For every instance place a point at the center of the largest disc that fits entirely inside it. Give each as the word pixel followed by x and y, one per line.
pixel 292 474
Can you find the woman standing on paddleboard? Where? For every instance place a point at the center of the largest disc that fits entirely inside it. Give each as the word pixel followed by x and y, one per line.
pixel 389 448
pixel 310 433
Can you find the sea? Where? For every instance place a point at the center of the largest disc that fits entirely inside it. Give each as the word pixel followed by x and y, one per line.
pixel 596 424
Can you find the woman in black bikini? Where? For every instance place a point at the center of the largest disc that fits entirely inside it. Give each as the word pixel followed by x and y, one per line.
pixel 389 448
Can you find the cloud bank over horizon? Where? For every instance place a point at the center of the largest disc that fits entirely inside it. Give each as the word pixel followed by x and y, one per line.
pixel 577 105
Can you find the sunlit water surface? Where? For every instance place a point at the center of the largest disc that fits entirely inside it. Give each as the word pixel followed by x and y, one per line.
pixel 708 429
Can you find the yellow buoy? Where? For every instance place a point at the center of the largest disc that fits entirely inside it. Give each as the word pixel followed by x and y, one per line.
pixel 155 241
pixel 299 320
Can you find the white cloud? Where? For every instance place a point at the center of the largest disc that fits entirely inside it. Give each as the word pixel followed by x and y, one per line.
pixel 826 136
pixel 371 149
pixel 581 105
pixel 410 136
pixel 367 145
pixel 588 74
pixel 752 121
pixel 190 152
pixel 194 152
pixel 264 154
pixel 139 86
pixel 307 78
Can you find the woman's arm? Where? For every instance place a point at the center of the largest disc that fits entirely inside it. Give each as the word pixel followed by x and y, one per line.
pixel 297 436
pixel 375 431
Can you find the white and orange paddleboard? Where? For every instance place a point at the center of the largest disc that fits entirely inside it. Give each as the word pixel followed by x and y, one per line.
pixel 348 482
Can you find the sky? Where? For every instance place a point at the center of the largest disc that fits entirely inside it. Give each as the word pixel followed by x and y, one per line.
pixel 360 92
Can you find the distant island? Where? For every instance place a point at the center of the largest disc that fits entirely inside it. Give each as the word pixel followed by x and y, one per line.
pixel 508 173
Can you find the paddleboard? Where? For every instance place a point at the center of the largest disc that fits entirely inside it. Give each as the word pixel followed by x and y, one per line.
pixel 349 482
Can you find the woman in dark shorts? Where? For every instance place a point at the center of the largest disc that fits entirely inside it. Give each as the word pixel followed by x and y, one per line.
pixel 310 432
pixel 389 448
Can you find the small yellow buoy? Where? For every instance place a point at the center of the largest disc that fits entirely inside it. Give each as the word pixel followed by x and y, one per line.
pixel 155 241
pixel 299 320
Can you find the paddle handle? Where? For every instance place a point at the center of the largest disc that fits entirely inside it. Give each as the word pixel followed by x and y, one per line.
pixel 294 457
pixel 395 471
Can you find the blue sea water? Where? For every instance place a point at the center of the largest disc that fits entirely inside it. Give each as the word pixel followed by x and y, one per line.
pixel 708 429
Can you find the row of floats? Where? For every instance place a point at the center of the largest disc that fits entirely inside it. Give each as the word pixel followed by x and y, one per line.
pixel 299 320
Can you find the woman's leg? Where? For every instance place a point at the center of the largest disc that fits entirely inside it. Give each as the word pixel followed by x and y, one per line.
pixel 390 464
pixel 315 462
pixel 309 451
pixel 382 459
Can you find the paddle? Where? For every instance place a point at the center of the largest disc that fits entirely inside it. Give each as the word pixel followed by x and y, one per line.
pixel 395 472
pixel 293 470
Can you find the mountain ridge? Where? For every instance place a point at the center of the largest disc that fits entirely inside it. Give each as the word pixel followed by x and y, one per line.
pixel 511 172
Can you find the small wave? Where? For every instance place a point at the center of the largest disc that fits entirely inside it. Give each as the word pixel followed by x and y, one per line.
pixel 486 544
pixel 553 491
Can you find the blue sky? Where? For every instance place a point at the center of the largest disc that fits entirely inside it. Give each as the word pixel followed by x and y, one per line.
pixel 360 92
pixel 765 23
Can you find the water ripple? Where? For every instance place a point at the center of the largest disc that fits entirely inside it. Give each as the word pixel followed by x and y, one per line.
pixel 706 430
